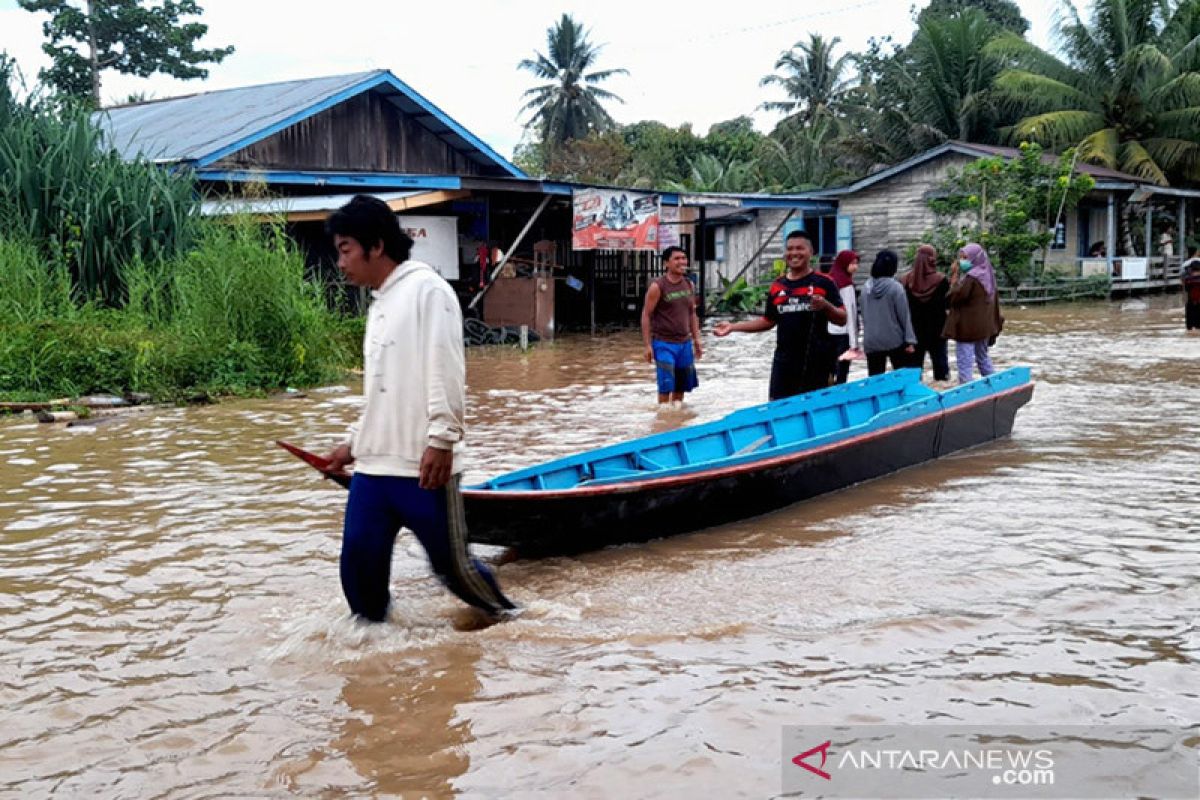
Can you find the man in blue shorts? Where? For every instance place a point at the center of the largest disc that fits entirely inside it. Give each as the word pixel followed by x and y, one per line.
pixel 671 328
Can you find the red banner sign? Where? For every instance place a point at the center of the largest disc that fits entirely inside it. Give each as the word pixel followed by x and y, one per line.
pixel 614 219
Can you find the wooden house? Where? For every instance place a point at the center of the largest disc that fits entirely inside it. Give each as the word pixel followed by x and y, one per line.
pixel 889 209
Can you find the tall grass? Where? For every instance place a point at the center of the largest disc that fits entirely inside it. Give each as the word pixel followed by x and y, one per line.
pixel 109 280
pixel 64 188
pixel 241 295
pixel 30 287
pixel 235 314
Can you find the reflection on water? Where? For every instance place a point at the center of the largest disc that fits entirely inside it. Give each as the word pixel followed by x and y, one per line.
pixel 172 623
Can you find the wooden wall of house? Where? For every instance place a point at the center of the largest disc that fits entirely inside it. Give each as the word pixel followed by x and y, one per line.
pixel 742 241
pixel 1065 261
pixel 894 213
pixel 366 133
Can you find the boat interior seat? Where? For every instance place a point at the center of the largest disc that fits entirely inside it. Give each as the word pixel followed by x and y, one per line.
pixel 604 472
pixel 645 463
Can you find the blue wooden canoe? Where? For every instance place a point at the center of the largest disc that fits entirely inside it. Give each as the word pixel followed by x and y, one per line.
pixel 750 462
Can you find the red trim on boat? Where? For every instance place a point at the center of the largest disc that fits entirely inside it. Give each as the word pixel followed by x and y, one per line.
pixel 690 477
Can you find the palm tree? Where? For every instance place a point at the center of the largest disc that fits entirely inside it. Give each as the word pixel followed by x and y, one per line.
pixel 936 88
pixel 798 157
pixel 950 71
pixel 1128 94
pixel 569 105
pixel 811 77
pixel 710 174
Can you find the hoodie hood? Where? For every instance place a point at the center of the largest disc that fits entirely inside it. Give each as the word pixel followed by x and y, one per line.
pixel 878 287
pixel 399 273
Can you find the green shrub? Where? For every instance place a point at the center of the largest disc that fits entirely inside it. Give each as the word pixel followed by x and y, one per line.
pixel 84 354
pixel 33 288
pixel 740 297
pixel 110 282
pixel 246 285
pixel 234 315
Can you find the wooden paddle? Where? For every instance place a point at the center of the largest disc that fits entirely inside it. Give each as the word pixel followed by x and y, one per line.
pixel 319 463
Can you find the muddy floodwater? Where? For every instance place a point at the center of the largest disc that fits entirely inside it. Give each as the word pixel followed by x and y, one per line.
pixel 173 624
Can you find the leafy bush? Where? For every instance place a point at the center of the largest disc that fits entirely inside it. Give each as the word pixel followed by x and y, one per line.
pixel 32 287
pixel 741 297
pixel 243 284
pixel 1007 205
pixel 233 315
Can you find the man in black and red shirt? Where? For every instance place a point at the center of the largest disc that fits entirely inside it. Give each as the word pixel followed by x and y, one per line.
pixel 800 305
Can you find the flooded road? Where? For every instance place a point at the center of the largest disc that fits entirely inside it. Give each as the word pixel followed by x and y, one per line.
pixel 173 624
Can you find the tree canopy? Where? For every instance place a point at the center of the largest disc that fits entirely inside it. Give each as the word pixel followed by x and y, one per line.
pixel 1122 86
pixel 811 77
pixel 1003 13
pixel 130 36
pixel 1127 93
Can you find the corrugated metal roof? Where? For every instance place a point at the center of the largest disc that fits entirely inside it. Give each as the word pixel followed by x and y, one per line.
pixel 972 150
pixel 200 129
pixel 190 127
pixel 1095 170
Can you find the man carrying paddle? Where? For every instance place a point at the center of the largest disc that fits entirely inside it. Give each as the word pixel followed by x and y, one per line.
pixel 407 443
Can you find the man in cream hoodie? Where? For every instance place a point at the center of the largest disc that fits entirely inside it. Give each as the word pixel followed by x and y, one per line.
pixel 407 445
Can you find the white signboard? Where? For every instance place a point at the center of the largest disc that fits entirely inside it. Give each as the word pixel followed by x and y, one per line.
pixel 435 241
pixel 668 228
pixel 1132 269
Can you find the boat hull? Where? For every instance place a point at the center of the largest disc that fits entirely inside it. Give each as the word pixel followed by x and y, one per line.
pixel 585 518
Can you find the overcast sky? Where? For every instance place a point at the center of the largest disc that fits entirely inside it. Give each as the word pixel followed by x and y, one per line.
pixel 462 55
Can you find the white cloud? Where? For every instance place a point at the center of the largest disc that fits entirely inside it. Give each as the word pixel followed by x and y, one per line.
pixel 685 64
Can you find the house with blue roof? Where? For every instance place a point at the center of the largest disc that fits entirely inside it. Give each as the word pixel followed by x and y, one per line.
pixel 1116 230
pixel 363 130
pixel 300 149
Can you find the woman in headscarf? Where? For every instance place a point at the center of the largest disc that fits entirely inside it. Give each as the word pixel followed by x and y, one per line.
pixel 927 290
pixel 845 337
pixel 974 321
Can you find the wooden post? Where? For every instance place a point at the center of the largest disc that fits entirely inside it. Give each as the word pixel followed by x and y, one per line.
pixel 524 338
pixel 1149 232
pixel 1110 246
pixel 983 209
pixel 592 288
pixel 1181 247
pixel 701 258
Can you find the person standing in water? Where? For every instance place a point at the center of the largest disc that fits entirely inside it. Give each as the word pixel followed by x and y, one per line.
pixel 671 328
pixel 974 320
pixel 845 337
pixel 800 304
pixel 407 444
pixel 887 328
pixel 1190 276
pixel 927 290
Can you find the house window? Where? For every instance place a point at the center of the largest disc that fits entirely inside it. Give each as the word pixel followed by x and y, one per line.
pixel 714 242
pixel 1059 242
